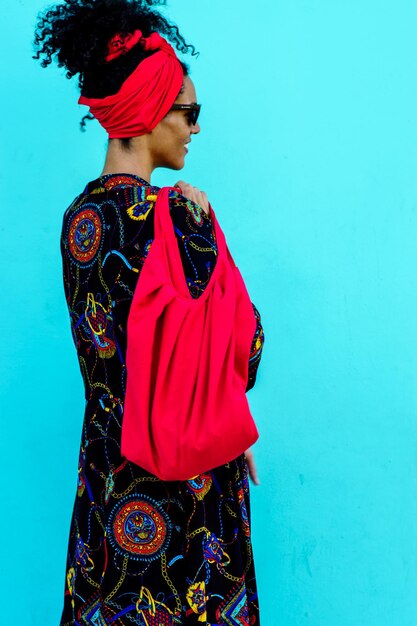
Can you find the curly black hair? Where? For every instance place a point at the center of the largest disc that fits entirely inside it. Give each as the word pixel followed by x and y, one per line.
pixel 77 32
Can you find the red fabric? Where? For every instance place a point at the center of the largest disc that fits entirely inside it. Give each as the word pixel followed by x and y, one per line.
pixel 146 95
pixel 187 359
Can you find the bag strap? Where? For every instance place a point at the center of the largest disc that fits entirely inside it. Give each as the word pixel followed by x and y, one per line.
pixel 163 221
pixel 163 225
pixel 164 229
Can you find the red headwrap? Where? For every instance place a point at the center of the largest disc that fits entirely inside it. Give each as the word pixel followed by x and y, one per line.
pixel 146 95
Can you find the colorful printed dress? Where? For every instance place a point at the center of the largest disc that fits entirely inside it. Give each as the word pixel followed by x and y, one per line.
pixel 141 550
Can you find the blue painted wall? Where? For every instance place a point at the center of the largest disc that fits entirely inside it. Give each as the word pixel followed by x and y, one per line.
pixel 308 155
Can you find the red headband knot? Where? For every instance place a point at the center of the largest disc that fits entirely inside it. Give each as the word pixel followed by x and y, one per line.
pixel 120 44
pixel 146 95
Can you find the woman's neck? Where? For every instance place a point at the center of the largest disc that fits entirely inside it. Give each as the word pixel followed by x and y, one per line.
pixel 135 161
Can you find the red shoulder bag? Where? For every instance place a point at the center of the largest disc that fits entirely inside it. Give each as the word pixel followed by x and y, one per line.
pixel 185 409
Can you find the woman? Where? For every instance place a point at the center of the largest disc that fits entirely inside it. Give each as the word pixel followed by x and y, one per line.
pixel 141 550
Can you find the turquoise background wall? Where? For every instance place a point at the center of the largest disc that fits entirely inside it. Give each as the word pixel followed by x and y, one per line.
pixel 308 155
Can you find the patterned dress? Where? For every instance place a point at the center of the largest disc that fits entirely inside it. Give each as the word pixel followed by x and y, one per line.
pixel 141 550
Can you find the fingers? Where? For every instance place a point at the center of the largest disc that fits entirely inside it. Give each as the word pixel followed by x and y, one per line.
pixel 251 466
pixel 202 199
pixel 194 194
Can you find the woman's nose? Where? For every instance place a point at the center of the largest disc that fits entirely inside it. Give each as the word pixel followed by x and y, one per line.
pixel 195 128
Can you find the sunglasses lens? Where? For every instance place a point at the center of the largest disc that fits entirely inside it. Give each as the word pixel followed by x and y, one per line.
pixel 197 113
pixel 193 117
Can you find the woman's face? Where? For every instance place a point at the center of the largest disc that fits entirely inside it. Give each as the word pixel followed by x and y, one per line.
pixel 174 131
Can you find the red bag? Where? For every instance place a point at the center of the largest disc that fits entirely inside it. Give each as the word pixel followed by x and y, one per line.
pixel 185 409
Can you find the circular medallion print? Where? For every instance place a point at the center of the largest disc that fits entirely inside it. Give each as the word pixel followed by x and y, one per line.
pixel 84 235
pixel 139 527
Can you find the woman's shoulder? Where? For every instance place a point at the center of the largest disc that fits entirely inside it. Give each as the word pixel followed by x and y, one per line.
pixel 118 191
pixel 114 217
pixel 129 197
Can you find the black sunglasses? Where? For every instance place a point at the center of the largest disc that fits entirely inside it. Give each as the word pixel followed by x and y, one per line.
pixel 193 111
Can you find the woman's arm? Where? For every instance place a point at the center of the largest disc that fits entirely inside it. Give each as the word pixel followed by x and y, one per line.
pixel 198 250
pixel 196 241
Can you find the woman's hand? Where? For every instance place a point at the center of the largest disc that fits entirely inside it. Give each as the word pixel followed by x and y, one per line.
pixel 251 466
pixel 194 194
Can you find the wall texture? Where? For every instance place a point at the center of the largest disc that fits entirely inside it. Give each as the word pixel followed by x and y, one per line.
pixel 308 155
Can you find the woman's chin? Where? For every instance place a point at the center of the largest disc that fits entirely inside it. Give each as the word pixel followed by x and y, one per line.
pixel 179 164
pixel 174 164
